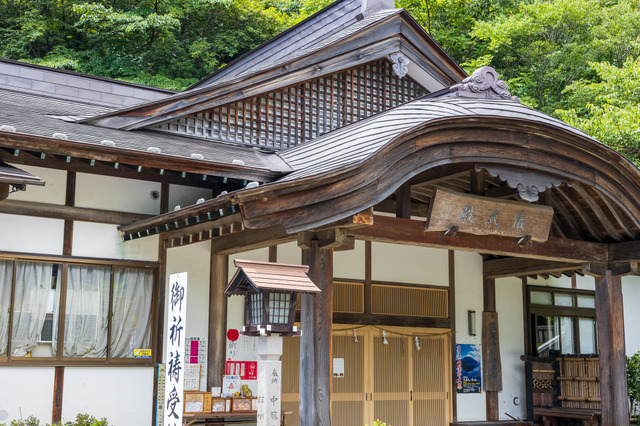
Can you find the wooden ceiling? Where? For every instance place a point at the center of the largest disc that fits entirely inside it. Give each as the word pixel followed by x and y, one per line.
pixel 580 212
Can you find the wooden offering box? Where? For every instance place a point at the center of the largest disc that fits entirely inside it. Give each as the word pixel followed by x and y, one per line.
pixel 244 405
pixel 220 405
pixel 194 402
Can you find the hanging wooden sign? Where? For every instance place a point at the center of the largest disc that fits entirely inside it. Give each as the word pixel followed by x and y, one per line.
pixel 478 215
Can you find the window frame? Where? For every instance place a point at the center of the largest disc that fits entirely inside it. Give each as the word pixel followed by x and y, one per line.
pixel 574 312
pixel 66 261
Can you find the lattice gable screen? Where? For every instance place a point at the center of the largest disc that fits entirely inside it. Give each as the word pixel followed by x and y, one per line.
pixel 290 116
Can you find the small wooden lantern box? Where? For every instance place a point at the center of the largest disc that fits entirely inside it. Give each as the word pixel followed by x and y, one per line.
pixel 270 290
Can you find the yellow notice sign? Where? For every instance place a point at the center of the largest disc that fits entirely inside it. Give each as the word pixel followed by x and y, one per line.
pixel 142 353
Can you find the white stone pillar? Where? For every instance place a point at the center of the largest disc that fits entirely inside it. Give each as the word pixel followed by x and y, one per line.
pixel 269 380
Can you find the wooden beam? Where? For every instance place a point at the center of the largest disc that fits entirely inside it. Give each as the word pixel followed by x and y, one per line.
pixel 54 211
pixel 597 211
pixel 411 232
pixel 251 239
pixel 613 378
pixel 516 267
pixel 217 318
pixel 403 201
pixel 620 252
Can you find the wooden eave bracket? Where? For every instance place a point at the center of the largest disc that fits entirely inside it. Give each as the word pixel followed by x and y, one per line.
pixel 617 269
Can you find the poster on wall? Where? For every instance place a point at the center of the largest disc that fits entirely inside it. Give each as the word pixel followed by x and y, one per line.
pixel 175 339
pixel 468 369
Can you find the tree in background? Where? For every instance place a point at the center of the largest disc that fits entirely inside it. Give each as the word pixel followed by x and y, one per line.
pixel 633 381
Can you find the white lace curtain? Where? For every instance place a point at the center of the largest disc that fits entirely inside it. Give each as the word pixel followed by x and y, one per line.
pixel 131 321
pixel 32 289
pixel 86 312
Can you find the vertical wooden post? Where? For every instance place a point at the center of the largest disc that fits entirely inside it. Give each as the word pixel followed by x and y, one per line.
pixel 492 368
pixel 58 384
pixel 403 201
pixel 315 344
pixel 452 327
pixel 217 319
pixel 613 378
pixel 67 250
pixel 307 358
pixel 323 328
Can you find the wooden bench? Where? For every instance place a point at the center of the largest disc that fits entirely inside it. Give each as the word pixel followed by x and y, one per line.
pixel 550 415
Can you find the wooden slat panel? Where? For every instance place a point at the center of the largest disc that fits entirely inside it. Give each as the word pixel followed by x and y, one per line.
pixel 409 301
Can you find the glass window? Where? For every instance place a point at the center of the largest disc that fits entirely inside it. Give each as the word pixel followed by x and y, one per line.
pixel 35 282
pixel 567 325
pixel 563 299
pixel 547 336
pixel 58 310
pixel 131 320
pixel 87 311
pixel 566 335
pixel 541 298
pixel 6 280
pixel 586 301
pixel 588 337
pixel 279 306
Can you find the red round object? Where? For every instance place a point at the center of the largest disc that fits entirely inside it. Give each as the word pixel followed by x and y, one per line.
pixel 232 334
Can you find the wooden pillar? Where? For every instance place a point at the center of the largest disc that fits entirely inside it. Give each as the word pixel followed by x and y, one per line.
pixel 403 201
pixel 318 345
pixel 613 378
pixel 307 359
pixel 452 327
pixel 217 319
pixel 58 385
pixel 492 368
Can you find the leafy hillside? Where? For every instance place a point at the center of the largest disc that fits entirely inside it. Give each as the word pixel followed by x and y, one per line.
pixel 575 59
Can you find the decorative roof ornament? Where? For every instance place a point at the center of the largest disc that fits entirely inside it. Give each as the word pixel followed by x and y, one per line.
pixel 483 83
pixel 400 64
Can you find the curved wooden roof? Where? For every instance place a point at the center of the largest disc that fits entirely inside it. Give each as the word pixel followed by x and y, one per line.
pixel 594 191
pixel 361 165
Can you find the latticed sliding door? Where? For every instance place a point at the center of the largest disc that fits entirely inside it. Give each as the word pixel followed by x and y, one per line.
pixel 391 380
pixel 290 378
pixel 347 393
pixel 431 382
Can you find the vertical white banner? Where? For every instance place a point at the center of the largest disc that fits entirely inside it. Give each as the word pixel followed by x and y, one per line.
pixel 174 357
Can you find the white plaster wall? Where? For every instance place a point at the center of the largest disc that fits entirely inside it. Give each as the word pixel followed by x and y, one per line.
pixel 184 196
pixel 105 241
pixel 509 305
pixel 409 264
pixel 31 234
pixel 118 194
pixel 468 292
pixel 630 299
pixel 53 192
pixel 26 391
pixel 123 395
pixel 347 264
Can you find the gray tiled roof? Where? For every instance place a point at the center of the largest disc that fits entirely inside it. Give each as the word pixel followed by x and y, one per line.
pixel 353 144
pixel 39 116
pixel 70 85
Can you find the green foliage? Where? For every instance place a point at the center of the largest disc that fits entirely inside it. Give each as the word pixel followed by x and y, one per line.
pixel 378 423
pixel 81 420
pixel 609 109
pixel 633 381
pixel 544 46
pixel 171 43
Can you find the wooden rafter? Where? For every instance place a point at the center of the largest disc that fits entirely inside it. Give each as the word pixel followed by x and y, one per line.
pixel 620 217
pixel 584 217
pixel 513 266
pixel 563 212
pixel 598 212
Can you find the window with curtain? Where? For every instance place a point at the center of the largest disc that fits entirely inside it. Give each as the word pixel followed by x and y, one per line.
pixel 562 320
pixel 70 311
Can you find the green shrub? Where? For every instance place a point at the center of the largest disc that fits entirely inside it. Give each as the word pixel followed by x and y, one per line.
pixel 81 420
